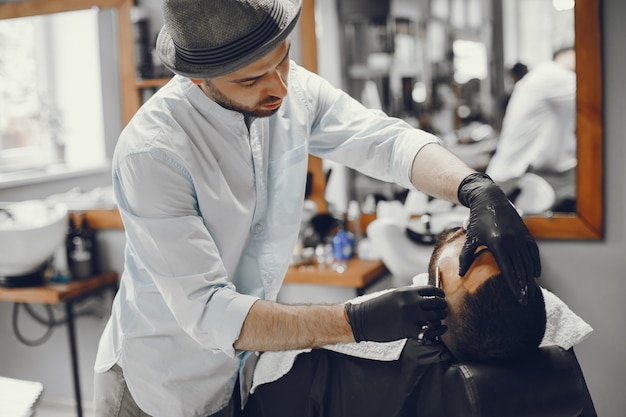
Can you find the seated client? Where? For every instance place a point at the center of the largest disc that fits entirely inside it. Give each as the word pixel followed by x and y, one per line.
pixel 485 323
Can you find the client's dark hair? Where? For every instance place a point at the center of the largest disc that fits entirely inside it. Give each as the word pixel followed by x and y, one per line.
pixel 490 325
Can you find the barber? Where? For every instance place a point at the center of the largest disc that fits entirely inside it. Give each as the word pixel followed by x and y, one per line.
pixel 209 177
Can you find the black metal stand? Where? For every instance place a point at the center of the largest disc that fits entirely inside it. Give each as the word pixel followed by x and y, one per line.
pixel 71 332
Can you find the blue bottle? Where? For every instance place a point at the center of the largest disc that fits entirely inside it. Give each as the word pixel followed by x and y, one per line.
pixel 343 247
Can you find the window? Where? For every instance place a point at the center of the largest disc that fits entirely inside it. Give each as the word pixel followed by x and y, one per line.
pixel 470 60
pixel 51 110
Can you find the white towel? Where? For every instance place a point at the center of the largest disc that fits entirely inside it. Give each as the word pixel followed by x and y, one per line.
pixel 273 365
pixel 563 328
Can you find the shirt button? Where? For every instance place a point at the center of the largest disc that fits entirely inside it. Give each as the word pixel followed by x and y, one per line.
pixel 270 278
pixel 258 228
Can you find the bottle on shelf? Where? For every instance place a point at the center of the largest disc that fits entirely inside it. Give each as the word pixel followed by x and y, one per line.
pixel 343 246
pixel 354 221
pixel 80 250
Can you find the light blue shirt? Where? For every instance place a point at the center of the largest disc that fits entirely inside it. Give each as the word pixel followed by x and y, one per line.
pixel 212 212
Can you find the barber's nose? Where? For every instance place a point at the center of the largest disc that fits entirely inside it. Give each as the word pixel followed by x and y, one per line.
pixel 277 85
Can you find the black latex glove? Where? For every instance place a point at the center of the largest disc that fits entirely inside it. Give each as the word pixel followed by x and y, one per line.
pixel 495 223
pixel 398 314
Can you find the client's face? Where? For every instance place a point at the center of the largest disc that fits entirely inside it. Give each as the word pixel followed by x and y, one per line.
pixel 472 330
pixel 444 266
pixel 443 271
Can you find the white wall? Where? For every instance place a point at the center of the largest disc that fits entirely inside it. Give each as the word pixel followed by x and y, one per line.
pixel 591 276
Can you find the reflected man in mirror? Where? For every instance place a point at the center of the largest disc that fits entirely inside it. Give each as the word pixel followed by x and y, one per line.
pixel 539 131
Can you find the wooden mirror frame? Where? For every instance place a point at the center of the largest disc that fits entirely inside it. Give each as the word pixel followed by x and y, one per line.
pixel 588 220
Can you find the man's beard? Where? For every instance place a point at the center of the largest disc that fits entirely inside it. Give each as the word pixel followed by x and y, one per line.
pixel 247 112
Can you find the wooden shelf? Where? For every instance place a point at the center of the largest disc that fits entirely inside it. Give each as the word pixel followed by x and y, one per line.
pixel 358 274
pixel 100 219
pixel 55 293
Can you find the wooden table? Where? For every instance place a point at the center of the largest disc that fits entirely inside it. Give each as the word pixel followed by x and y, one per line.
pixel 67 293
pixel 359 275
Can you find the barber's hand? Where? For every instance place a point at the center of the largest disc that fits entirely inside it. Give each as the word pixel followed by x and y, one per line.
pixel 495 223
pixel 398 314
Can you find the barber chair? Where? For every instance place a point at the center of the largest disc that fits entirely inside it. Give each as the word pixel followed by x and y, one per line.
pixel 550 384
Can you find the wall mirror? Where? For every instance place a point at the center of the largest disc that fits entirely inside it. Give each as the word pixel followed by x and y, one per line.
pixel 585 219
pixel 58 61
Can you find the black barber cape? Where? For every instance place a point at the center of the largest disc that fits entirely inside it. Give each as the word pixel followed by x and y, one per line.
pixel 324 383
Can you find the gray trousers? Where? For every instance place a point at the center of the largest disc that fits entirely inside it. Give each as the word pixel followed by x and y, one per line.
pixel 112 398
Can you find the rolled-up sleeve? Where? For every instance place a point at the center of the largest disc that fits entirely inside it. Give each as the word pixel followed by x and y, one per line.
pixel 173 251
pixel 367 140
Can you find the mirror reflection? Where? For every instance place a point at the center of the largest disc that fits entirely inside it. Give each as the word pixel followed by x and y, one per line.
pixel 495 80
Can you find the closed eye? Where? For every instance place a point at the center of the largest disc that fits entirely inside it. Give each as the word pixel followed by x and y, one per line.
pixel 250 82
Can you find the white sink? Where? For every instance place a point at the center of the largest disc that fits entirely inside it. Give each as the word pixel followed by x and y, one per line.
pixel 403 257
pixel 30 232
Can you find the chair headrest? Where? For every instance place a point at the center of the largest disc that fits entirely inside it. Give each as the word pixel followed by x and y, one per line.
pixel 548 384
